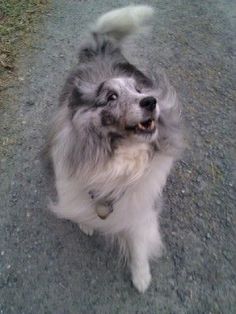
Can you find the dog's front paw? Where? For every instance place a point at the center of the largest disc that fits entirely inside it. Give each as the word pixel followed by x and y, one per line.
pixel 86 229
pixel 141 278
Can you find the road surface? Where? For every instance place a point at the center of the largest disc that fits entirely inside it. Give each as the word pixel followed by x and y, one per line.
pixel 47 265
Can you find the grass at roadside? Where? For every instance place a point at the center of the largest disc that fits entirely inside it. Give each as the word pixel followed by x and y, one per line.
pixel 17 19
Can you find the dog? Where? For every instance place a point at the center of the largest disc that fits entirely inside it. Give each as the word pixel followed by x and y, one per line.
pixel 113 141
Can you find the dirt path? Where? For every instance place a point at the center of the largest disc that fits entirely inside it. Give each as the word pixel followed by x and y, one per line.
pixel 47 265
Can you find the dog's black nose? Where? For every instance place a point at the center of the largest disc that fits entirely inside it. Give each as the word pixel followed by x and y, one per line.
pixel 148 103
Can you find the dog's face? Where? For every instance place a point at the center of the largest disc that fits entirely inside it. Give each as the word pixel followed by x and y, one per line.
pixel 120 106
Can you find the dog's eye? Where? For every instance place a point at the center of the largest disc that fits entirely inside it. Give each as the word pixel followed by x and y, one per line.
pixel 138 90
pixel 112 97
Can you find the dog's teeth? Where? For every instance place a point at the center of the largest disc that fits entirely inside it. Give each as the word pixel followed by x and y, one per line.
pixel 141 126
pixel 146 125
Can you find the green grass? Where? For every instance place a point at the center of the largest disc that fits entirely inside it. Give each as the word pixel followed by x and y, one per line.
pixel 17 19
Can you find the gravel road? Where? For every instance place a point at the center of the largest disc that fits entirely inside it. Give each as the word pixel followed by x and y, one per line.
pixel 47 265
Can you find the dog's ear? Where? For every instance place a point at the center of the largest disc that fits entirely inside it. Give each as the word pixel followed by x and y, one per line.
pixel 82 93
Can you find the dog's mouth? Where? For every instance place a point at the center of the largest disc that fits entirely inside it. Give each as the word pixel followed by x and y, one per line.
pixel 144 127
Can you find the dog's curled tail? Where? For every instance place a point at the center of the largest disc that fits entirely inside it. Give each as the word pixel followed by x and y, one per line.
pixel 122 22
pixel 111 28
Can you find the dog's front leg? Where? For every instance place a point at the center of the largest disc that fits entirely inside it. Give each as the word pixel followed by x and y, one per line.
pixel 139 265
pixel 143 242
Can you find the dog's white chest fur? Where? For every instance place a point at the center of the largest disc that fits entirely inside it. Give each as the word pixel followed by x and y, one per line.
pixel 127 165
pixel 129 173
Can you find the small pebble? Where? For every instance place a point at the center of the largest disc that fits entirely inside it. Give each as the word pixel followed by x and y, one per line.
pixel 29 102
pixel 172 283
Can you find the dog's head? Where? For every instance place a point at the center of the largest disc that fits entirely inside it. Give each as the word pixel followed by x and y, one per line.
pixel 121 106
pixel 128 108
pixel 103 107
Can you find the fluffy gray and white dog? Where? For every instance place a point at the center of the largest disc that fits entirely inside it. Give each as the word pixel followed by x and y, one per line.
pixel 113 142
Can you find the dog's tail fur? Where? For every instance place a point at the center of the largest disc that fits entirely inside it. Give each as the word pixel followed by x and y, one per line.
pixel 112 27
pixel 122 22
